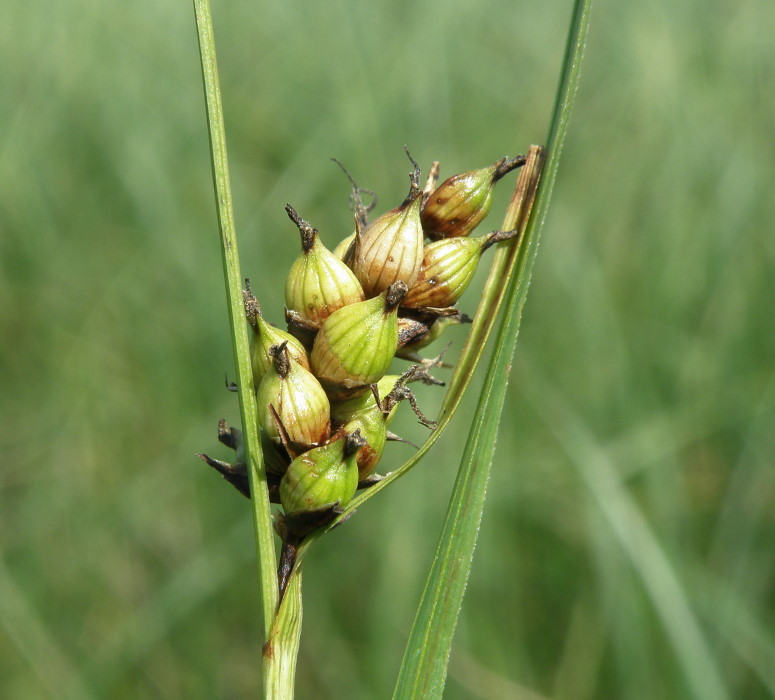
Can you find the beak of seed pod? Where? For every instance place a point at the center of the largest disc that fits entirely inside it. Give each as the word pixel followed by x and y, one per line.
pixel 395 295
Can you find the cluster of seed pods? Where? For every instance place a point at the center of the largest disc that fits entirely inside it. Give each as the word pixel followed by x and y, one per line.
pixel 325 400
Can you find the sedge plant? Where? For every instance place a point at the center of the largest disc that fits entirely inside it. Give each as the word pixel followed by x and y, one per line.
pixel 316 402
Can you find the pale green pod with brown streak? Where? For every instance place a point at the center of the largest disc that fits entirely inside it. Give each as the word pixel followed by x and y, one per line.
pixel 390 248
pixel 371 414
pixel 318 283
pixel 362 413
pixel 291 394
pixel 447 269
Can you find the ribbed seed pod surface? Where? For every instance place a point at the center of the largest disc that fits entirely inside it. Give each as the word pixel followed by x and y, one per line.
pixel 447 269
pixel 462 201
pixel 318 283
pixel 390 249
pixel 356 344
pixel 298 399
pixel 320 477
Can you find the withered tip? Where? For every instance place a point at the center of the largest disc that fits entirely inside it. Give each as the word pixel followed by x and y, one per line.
pixel 395 295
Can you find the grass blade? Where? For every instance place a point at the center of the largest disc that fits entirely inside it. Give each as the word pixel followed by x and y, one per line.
pixel 424 668
pixel 231 269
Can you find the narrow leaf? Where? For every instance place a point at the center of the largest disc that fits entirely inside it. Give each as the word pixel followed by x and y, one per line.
pixel 424 668
pixel 233 279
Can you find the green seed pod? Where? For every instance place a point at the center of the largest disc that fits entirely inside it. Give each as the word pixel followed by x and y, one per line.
pixel 322 477
pixel 297 399
pixel 356 344
pixel 390 248
pixel 264 337
pixel 318 283
pixel 462 201
pixel 448 267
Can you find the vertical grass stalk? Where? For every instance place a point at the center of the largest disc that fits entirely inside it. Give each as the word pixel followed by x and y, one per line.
pixel 262 516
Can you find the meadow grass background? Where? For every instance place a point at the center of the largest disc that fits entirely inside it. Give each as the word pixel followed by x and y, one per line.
pixel 628 546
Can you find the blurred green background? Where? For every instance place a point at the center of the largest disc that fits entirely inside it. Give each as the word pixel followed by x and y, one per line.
pixel 627 550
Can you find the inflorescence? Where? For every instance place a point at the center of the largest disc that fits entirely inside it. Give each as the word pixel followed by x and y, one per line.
pixel 325 400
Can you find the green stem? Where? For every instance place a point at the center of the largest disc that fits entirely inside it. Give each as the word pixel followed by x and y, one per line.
pixel 282 646
pixel 262 516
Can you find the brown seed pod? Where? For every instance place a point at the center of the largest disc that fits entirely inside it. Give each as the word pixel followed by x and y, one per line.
pixel 462 201
pixel 390 248
pixel 447 269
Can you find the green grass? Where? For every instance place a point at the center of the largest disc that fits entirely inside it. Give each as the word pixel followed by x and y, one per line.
pixel 642 391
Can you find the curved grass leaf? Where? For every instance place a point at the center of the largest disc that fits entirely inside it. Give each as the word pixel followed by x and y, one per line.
pixel 424 668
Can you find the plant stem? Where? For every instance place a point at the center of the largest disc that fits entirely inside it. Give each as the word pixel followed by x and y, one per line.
pixel 282 646
pixel 262 516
